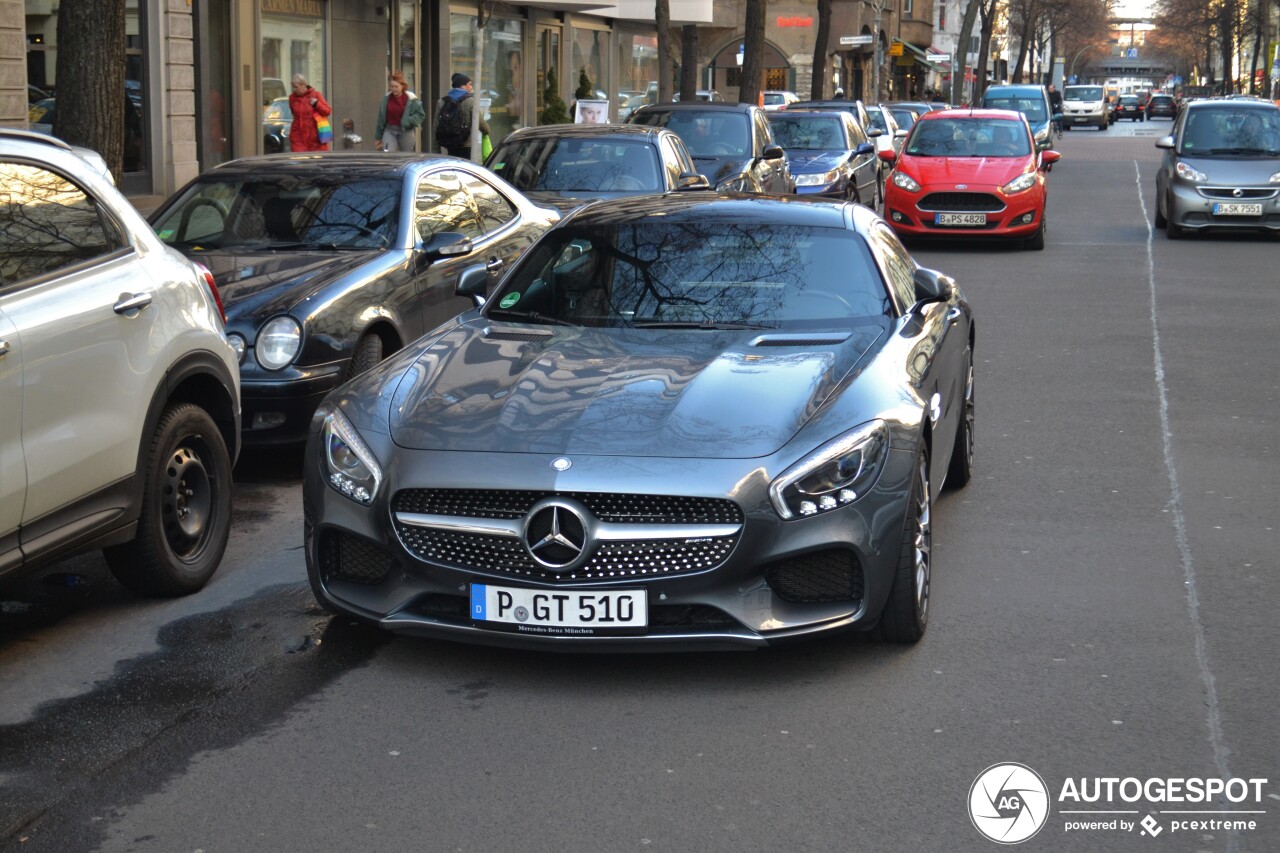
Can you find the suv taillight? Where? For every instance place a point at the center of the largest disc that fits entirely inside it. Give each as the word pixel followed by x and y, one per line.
pixel 204 273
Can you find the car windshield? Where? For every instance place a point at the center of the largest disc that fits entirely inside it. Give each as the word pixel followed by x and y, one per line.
pixel 969 137
pixel 875 118
pixel 1232 133
pixel 1032 107
pixel 705 134
pixel 283 212
pixel 1082 93
pixel 906 119
pixel 808 133
pixel 558 164
pixel 772 98
pixel 701 275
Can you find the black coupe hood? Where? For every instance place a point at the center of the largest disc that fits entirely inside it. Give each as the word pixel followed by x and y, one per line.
pixel 616 392
pixel 257 277
pixel 717 169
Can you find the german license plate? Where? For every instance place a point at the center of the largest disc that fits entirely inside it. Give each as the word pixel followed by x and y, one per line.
pixel 560 612
pixel 1235 209
pixel 960 219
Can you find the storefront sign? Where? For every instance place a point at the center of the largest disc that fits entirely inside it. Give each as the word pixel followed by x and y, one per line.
pixel 895 48
pixel 795 22
pixel 850 41
pixel 304 8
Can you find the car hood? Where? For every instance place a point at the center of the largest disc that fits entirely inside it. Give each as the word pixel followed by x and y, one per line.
pixel 275 281
pixel 1235 171
pixel 806 162
pixel 569 200
pixel 616 392
pixel 996 171
pixel 717 169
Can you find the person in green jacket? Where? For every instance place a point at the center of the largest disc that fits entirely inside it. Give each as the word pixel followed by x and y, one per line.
pixel 400 114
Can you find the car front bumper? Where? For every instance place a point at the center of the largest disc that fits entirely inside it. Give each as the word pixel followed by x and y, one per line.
pixel 277 409
pixel 911 214
pixel 779 580
pixel 1192 207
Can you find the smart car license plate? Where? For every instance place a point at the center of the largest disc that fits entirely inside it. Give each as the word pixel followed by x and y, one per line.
pixel 1236 209
pixel 560 612
pixel 960 218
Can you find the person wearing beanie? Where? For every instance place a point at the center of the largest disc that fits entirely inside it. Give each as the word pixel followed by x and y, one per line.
pixel 453 129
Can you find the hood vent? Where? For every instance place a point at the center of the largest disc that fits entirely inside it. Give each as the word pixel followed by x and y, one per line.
pixel 797 340
pixel 528 335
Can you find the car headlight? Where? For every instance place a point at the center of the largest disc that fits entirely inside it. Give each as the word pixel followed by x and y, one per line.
pixel 1022 183
pixel 1042 136
pixel 1275 179
pixel 278 342
pixel 1189 174
pixel 818 180
pixel 740 184
pixel 238 344
pixel 903 180
pixel 834 475
pixel 350 466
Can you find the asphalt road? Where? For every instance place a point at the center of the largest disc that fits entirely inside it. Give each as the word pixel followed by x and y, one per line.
pixel 1103 606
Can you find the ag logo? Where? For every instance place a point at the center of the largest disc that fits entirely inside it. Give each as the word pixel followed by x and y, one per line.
pixel 1008 803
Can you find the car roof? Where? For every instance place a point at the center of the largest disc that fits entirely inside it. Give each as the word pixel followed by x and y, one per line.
pixel 1230 104
pixel 717 106
pixel 575 131
pixel 1013 87
pixel 1009 115
pixel 708 207
pixel 335 163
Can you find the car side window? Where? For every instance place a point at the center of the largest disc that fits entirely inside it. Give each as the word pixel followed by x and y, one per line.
pixel 443 204
pixel 899 268
pixel 672 161
pixel 764 134
pixel 48 223
pixel 494 209
pixel 856 134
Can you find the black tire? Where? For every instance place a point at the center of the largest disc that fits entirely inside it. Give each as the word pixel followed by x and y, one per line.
pixel 186 508
pixel 906 614
pixel 960 471
pixel 367 355
pixel 1160 220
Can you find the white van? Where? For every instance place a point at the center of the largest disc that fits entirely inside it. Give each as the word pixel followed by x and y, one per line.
pixel 1085 104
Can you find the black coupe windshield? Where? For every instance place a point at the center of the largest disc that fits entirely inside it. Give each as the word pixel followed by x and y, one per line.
pixel 706 134
pixel 284 212
pixel 711 275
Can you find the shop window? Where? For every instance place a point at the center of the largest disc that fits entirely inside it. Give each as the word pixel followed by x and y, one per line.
pixel 500 89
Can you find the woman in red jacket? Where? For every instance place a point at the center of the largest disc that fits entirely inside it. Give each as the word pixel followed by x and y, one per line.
pixel 306 104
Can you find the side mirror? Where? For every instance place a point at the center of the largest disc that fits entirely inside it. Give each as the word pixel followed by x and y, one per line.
pixel 773 152
pixel 692 181
pixel 865 148
pixel 889 156
pixel 900 133
pixel 446 244
pixel 1165 142
pixel 873 132
pixel 473 283
pixel 932 286
pixel 1048 158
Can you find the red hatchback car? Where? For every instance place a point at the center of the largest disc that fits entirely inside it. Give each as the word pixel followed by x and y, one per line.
pixel 969 173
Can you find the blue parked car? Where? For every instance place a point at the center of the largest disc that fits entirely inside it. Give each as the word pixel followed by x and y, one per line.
pixel 830 155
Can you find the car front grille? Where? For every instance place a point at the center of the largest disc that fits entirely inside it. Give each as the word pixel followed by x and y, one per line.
pixel 822 576
pixel 343 557
pixel 961 203
pixel 438 539
pixel 1229 193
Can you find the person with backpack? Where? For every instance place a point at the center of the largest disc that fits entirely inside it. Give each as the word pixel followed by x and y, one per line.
pixel 453 118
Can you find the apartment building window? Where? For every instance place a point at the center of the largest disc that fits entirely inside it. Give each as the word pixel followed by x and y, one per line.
pixel 906 8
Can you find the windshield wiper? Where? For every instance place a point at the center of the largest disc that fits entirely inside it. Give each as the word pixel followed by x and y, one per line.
pixel 698 324
pixel 528 316
pixel 1212 151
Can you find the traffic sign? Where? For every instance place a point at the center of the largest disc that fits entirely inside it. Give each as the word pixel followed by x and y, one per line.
pixel 895 48
pixel 938 57
pixel 849 41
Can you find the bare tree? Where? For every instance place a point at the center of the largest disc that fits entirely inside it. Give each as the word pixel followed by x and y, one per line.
pixel 662 18
pixel 689 63
pixel 822 37
pixel 90 75
pixel 959 81
pixel 753 52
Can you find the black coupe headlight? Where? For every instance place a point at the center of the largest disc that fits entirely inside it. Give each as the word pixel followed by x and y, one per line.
pixel 834 475
pixel 350 466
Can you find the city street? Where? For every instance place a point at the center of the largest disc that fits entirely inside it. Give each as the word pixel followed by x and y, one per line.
pixel 1102 606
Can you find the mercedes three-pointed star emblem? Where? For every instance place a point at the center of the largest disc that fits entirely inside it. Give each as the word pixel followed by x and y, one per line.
pixel 555 535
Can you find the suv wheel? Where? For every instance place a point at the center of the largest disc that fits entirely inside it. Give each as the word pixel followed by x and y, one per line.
pixel 186 508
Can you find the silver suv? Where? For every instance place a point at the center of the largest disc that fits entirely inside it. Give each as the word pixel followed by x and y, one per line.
pixel 119 394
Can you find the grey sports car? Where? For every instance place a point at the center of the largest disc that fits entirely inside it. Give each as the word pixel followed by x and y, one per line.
pixel 702 421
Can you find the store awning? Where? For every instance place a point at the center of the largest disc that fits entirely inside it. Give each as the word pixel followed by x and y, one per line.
pixel 922 56
pixel 682 11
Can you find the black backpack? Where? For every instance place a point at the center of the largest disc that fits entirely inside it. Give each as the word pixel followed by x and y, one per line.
pixel 451 128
